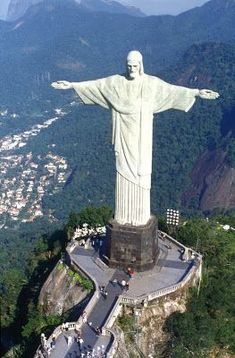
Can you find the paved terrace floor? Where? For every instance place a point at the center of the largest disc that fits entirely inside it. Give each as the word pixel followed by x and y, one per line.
pixel 170 269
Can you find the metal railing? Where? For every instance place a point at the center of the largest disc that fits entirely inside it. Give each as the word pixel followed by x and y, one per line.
pixel 133 301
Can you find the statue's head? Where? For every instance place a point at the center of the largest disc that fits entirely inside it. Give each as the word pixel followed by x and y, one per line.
pixel 134 65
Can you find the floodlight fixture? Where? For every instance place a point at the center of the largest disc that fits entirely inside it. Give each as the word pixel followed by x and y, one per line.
pixel 172 217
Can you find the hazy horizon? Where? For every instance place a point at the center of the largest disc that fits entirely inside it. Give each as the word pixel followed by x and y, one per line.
pixel 164 7
pixel 149 7
pixel 3 8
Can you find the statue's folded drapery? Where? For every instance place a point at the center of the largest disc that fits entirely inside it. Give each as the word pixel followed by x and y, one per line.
pixel 133 104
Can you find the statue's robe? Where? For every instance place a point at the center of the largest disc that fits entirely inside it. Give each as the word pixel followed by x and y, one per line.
pixel 133 103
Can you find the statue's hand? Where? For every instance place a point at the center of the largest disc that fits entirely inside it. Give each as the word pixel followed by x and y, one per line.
pixel 208 94
pixel 62 85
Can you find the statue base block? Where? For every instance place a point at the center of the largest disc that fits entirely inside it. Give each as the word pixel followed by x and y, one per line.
pixel 132 246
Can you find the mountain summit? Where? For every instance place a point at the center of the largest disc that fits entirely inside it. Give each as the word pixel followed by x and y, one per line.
pixel 17 8
pixel 109 6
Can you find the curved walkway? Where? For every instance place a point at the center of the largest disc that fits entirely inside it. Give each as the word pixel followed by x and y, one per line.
pixel 169 270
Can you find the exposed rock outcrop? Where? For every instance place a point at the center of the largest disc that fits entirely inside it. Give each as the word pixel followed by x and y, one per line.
pixel 150 323
pixel 213 183
pixel 59 293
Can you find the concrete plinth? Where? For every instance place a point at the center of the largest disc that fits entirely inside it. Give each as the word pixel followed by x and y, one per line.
pixel 135 246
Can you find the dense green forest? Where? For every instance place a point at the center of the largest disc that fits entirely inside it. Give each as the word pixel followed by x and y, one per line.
pixel 22 320
pixel 208 323
pixel 208 126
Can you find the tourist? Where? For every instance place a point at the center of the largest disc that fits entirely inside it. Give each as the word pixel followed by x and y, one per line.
pixel 82 242
pixel 130 272
pixel 84 317
pixel 48 349
pixel 70 340
pixel 98 331
pixel 114 282
pixel 78 332
pixel 127 286
pixel 102 288
pixel 53 341
pixel 80 343
pixel 123 284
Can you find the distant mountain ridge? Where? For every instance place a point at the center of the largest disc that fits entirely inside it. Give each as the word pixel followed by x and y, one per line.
pixel 74 42
pixel 17 8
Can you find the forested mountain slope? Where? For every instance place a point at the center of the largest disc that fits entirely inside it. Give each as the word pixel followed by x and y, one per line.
pixel 202 142
pixel 17 8
pixel 64 41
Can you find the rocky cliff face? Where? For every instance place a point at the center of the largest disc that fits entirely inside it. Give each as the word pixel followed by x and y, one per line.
pixel 59 294
pixel 213 183
pixel 152 338
pixel 213 173
pixel 153 319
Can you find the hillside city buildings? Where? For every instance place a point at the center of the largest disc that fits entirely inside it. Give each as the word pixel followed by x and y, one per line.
pixel 26 178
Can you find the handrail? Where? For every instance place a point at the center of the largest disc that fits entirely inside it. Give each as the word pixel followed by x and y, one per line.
pixel 113 314
pixel 94 297
pixel 179 244
pixel 151 296
pixel 161 292
pixel 113 348
pixel 89 307
pixel 124 299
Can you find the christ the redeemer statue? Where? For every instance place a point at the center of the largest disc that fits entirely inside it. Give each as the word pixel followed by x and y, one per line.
pixel 133 98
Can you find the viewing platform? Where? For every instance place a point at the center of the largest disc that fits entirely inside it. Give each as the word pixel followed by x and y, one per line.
pixel 171 272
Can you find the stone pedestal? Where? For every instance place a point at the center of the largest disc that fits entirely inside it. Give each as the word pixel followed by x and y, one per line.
pixel 134 246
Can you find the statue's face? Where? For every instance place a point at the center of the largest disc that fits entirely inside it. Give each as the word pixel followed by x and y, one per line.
pixel 133 69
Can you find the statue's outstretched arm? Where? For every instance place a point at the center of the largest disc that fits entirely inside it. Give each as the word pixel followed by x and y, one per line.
pixel 208 94
pixel 62 85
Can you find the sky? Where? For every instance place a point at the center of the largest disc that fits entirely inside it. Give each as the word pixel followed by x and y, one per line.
pixel 3 8
pixel 149 7
pixel 164 7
